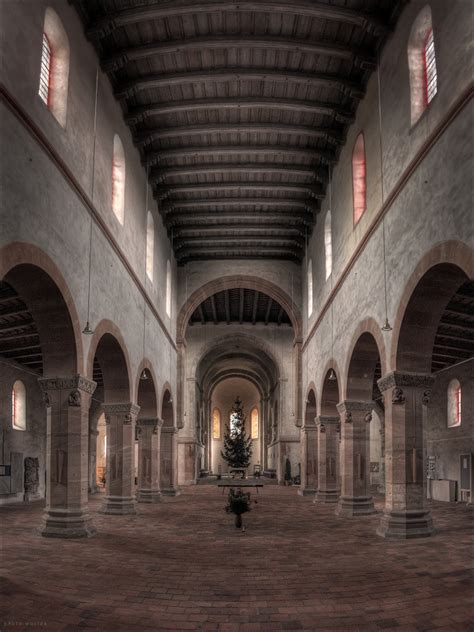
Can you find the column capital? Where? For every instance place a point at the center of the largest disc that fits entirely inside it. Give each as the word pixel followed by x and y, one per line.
pixel 308 428
pixel 75 383
pixel 169 429
pixel 348 406
pixel 326 420
pixel 405 378
pixel 150 422
pixel 127 409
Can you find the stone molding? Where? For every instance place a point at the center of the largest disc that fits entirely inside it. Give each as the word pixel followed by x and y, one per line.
pixel 309 428
pixel 327 419
pixel 169 429
pixel 151 422
pixel 401 379
pixel 75 383
pixel 348 406
pixel 127 409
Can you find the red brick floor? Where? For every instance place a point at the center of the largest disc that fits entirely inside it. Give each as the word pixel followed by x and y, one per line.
pixel 182 565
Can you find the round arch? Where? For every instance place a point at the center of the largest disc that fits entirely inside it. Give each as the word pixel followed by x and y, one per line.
pixel 330 391
pixel 166 406
pixel 107 342
pixel 233 282
pixel 146 391
pixel 451 253
pixel 147 365
pixel 330 364
pixel 20 253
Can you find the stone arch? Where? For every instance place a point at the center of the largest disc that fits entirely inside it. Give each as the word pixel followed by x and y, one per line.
pixel 435 279
pixel 18 254
pixel 362 365
pixel 327 392
pixel 310 405
pixel 146 365
pixel 232 282
pixel 146 391
pixel 166 411
pixel 108 328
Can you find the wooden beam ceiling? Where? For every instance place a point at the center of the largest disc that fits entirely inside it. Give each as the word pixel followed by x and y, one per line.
pixel 238 109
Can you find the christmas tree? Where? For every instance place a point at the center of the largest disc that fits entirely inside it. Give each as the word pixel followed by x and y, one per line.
pixel 237 446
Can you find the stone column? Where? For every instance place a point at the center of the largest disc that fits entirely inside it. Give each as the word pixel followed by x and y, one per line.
pixel 149 431
pixel 93 434
pixel 67 402
pixel 309 460
pixel 119 477
pixel 169 461
pixel 328 447
pixel 406 397
pixel 381 485
pixel 355 499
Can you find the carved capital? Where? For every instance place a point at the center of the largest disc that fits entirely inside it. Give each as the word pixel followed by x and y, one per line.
pixel 398 379
pixel 75 382
pixel 397 396
pixel 426 397
pixel 127 411
pixel 322 428
pixel 368 417
pixel 351 405
pixel 74 398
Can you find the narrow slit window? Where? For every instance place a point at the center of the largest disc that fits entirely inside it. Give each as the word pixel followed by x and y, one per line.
pixel 19 406
pixel 310 287
pixel 454 404
pixel 359 178
pixel 254 423
pixel 168 289
pixel 45 75
pixel 431 75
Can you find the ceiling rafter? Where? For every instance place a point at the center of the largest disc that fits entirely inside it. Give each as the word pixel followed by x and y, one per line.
pixel 108 23
pixel 276 203
pixel 363 58
pixel 155 157
pixel 158 175
pixel 145 138
pixel 313 190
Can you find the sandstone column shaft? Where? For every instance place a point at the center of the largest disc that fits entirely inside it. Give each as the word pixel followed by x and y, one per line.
pixel 149 431
pixel 328 447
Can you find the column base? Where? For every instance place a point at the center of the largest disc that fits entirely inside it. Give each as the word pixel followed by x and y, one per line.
pixel 119 505
pixel 148 496
pixel 307 491
pixel 327 496
pixel 170 491
pixel 353 506
pixel 66 523
pixel 404 525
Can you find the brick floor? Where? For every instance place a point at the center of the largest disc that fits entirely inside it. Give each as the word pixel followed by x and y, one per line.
pixel 182 565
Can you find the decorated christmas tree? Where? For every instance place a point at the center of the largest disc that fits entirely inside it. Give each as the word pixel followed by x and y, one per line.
pixel 237 446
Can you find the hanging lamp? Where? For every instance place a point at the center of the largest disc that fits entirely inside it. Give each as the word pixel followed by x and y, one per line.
pixel 386 326
pixel 88 331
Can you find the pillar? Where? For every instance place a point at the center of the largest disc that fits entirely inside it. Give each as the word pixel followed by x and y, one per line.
pixel 119 477
pixel 309 460
pixel 67 402
pixel 169 461
pixel 93 434
pixel 381 485
pixel 328 447
pixel 355 499
pixel 149 431
pixel 406 396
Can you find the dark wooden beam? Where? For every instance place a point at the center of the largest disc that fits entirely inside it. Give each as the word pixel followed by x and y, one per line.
pixel 280 316
pixel 201 315
pixel 269 307
pixel 248 218
pixel 146 137
pixel 214 310
pixel 19 324
pixel 169 206
pixel 133 86
pixel 159 175
pixel 118 59
pixel 106 24
pixel 239 242
pixel 287 152
pixel 33 334
pixel 227 306
pixel 138 114
pixel 224 255
pixel 311 189
pixel 254 308
pixel 246 231
pixel 241 306
pixel 237 236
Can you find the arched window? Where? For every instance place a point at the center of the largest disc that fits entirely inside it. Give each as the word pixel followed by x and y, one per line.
pixel 150 245
pixel 359 187
pixel 19 406
pixel 422 64
pixel 310 287
pixel 118 180
pixel 454 403
pixel 216 424
pixel 328 244
pixel 54 72
pixel 254 423
pixel 168 288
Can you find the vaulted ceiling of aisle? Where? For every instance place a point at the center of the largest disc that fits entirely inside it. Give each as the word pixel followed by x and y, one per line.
pixel 239 109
